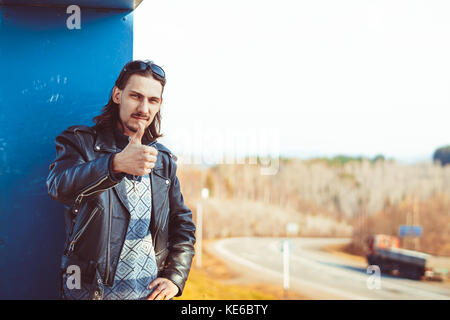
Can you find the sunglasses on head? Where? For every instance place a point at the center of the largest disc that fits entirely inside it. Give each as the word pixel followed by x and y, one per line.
pixel 139 65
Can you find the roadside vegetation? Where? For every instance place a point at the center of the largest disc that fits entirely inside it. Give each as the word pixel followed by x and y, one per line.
pixel 337 197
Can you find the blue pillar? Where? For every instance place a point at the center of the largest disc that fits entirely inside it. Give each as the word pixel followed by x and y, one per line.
pixel 51 77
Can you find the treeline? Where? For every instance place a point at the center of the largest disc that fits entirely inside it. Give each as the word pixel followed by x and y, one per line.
pixel 315 186
pixel 348 193
pixel 343 159
pixel 432 214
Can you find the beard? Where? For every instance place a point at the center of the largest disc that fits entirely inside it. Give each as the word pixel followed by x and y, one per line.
pixel 128 127
pixel 131 128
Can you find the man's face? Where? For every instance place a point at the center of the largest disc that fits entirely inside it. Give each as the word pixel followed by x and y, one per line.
pixel 138 102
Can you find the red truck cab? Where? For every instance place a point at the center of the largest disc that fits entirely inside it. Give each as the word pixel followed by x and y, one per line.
pixel 385 252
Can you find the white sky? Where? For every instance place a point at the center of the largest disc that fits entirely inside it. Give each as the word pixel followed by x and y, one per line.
pixel 328 77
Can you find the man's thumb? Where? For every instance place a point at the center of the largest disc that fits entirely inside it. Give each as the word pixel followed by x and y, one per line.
pixel 137 137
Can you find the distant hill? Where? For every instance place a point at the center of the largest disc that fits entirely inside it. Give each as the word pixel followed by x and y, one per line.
pixel 343 159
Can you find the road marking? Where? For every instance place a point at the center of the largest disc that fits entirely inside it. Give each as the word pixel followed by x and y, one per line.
pixel 219 247
pixel 388 286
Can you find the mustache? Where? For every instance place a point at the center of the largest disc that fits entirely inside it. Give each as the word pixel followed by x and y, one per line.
pixel 140 115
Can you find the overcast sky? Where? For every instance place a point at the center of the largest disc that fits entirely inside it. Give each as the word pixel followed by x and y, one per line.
pixel 315 78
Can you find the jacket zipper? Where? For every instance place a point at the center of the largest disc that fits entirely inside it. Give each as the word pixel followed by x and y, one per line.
pixel 108 254
pixel 159 227
pixel 160 224
pixel 81 231
pixel 84 194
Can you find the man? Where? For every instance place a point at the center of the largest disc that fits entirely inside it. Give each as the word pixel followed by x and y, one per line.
pixel 127 227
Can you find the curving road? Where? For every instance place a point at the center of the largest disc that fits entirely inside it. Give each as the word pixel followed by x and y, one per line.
pixel 315 273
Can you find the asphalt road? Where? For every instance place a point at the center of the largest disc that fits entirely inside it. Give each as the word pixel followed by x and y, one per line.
pixel 316 273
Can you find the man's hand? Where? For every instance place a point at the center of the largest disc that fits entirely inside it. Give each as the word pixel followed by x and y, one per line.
pixel 165 289
pixel 135 159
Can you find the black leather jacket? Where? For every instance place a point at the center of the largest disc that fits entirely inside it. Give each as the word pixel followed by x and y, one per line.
pixel 97 217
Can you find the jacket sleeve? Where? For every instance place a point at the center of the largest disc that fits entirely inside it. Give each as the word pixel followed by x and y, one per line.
pixel 72 177
pixel 181 237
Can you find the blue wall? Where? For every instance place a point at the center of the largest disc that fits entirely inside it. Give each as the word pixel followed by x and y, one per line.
pixel 50 78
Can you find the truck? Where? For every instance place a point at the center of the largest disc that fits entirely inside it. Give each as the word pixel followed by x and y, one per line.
pixel 385 252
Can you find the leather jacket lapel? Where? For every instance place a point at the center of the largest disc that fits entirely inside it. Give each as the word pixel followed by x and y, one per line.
pixel 105 141
pixel 159 186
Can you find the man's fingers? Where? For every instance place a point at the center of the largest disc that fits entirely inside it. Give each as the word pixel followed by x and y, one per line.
pixel 152 285
pixel 155 293
pixel 148 167
pixel 151 150
pixel 155 282
pixel 160 296
pixel 163 294
pixel 137 137
pixel 165 289
pixel 150 158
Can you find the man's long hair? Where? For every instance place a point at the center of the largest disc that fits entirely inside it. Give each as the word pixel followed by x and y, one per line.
pixel 109 116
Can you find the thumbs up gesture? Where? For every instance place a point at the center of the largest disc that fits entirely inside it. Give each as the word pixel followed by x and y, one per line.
pixel 137 137
pixel 136 159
